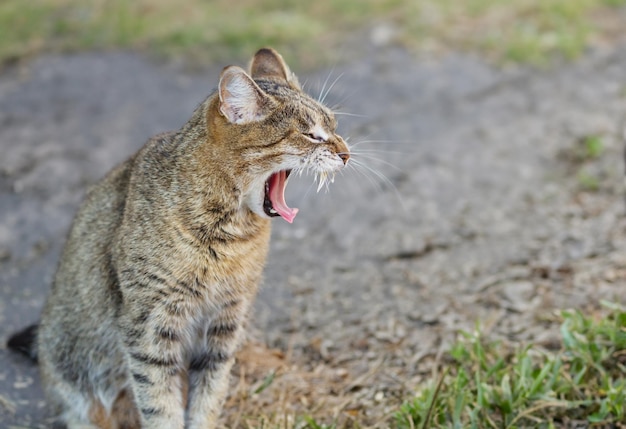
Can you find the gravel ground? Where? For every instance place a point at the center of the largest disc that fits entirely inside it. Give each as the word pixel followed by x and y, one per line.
pixel 482 206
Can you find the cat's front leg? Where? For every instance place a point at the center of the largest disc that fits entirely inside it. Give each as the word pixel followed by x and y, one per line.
pixel 156 376
pixel 208 388
pixel 158 387
pixel 209 369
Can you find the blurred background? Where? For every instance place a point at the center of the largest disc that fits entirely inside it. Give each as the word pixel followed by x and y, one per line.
pixel 308 33
pixel 467 270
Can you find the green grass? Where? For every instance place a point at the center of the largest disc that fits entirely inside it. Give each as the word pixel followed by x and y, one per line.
pixel 525 31
pixel 528 31
pixel 587 181
pixel 584 151
pixel 593 147
pixel 486 386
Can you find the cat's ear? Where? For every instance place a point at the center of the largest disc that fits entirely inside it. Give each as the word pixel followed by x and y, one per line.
pixel 269 63
pixel 241 100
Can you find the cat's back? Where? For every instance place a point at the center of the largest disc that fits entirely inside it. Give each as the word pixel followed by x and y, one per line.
pixel 99 215
pixel 86 259
pixel 80 304
pixel 102 211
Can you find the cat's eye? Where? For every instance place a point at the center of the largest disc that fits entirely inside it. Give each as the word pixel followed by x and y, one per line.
pixel 314 137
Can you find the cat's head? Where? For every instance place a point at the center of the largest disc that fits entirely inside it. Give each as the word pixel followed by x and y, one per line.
pixel 276 130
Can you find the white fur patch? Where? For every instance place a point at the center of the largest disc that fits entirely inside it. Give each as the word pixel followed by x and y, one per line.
pixel 319 132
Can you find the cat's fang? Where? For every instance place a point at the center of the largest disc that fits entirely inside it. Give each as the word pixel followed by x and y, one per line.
pixel 323 178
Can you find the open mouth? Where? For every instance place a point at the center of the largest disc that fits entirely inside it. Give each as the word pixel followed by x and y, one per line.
pixel 274 202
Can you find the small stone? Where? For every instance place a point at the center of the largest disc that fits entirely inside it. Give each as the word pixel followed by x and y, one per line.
pixel 5 255
pixel 341 372
pixel 609 276
pixel 519 294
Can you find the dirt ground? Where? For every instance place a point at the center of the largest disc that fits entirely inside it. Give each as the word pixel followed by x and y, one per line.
pixel 490 209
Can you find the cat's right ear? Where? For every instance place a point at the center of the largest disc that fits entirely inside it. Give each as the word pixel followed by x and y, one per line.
pixel 241 100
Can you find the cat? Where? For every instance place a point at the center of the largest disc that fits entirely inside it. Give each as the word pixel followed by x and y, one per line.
pixel 165 255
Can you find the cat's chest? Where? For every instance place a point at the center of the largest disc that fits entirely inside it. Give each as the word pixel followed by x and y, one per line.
pixel 219 303
pixel 221 271
pixel 230 260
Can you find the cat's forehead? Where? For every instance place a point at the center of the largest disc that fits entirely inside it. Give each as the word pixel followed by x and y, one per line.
pixel 300 103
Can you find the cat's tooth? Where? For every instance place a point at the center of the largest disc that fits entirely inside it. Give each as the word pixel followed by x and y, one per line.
pixel 323 176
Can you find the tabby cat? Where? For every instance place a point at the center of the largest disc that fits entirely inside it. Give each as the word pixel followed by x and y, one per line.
pixel 165 255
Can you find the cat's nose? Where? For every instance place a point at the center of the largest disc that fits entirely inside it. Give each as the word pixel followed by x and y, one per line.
pixel 344 157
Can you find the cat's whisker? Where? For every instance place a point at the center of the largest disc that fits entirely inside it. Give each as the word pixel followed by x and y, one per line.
pixel 377 151
pixel 382 161
pixel 307 192
pixel 330 88
pixel 356 115
pixel 378 174
pixel 382 177
pixel 319 97
pixel 358 170
pixel 361 142
pixel 343 100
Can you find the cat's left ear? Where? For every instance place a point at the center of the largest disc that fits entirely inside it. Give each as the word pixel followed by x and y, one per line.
pixel 269 63
pixel 241 100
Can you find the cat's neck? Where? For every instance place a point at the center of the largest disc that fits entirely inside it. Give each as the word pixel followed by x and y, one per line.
pixel 209 195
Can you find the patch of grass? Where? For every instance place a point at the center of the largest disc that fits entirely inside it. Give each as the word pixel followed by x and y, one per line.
pixel 593 147
pixel 588 149
pixel 197 30
pixel 516 31
pixel 491 387
pixel 585 149
pixel 311 423
pixel 22 28
pixel 587 181
pixel 529 31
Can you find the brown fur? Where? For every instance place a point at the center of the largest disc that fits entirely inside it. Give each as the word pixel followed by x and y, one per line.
pixel 165 255
pixel 124 412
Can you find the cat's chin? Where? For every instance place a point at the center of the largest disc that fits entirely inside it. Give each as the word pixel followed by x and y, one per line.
pixel 274 204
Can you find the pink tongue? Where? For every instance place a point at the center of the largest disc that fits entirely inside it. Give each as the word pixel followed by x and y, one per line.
pixel 278 182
